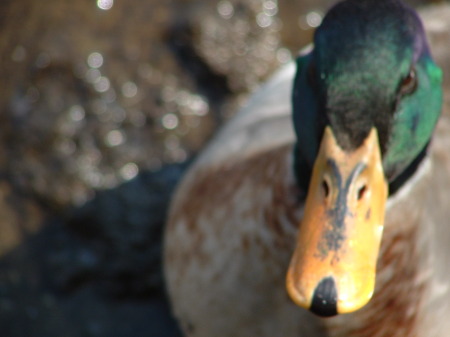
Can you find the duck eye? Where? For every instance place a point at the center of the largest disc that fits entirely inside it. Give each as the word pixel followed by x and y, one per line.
pixel 409 83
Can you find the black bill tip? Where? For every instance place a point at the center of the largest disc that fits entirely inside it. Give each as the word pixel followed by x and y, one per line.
pixel 324 301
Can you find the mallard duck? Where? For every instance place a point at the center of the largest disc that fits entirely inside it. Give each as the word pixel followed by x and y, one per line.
pixel 327 217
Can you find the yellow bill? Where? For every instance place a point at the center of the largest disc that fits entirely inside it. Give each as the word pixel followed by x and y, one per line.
pixel 332 270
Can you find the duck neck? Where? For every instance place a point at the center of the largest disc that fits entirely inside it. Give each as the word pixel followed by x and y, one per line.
pixel 403 177
pixel 302 171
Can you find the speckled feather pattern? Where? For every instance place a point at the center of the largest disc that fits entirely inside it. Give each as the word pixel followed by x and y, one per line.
pixel 252 216
pixel 235 216
pixel 232 256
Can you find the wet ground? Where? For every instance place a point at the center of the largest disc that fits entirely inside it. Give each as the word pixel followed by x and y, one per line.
pixel 103 105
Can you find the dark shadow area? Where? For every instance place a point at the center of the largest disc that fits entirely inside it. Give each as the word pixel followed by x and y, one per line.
pixel 98 273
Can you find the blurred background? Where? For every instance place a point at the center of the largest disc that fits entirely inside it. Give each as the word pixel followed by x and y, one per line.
pixel 103 104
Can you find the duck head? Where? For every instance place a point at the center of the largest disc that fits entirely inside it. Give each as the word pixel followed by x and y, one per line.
pixel 365 102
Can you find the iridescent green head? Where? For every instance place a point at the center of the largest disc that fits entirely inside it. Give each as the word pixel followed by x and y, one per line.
pixel 370 67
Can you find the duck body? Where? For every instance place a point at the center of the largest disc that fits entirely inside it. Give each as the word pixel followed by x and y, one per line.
pixel 234 222
pixel 228 255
